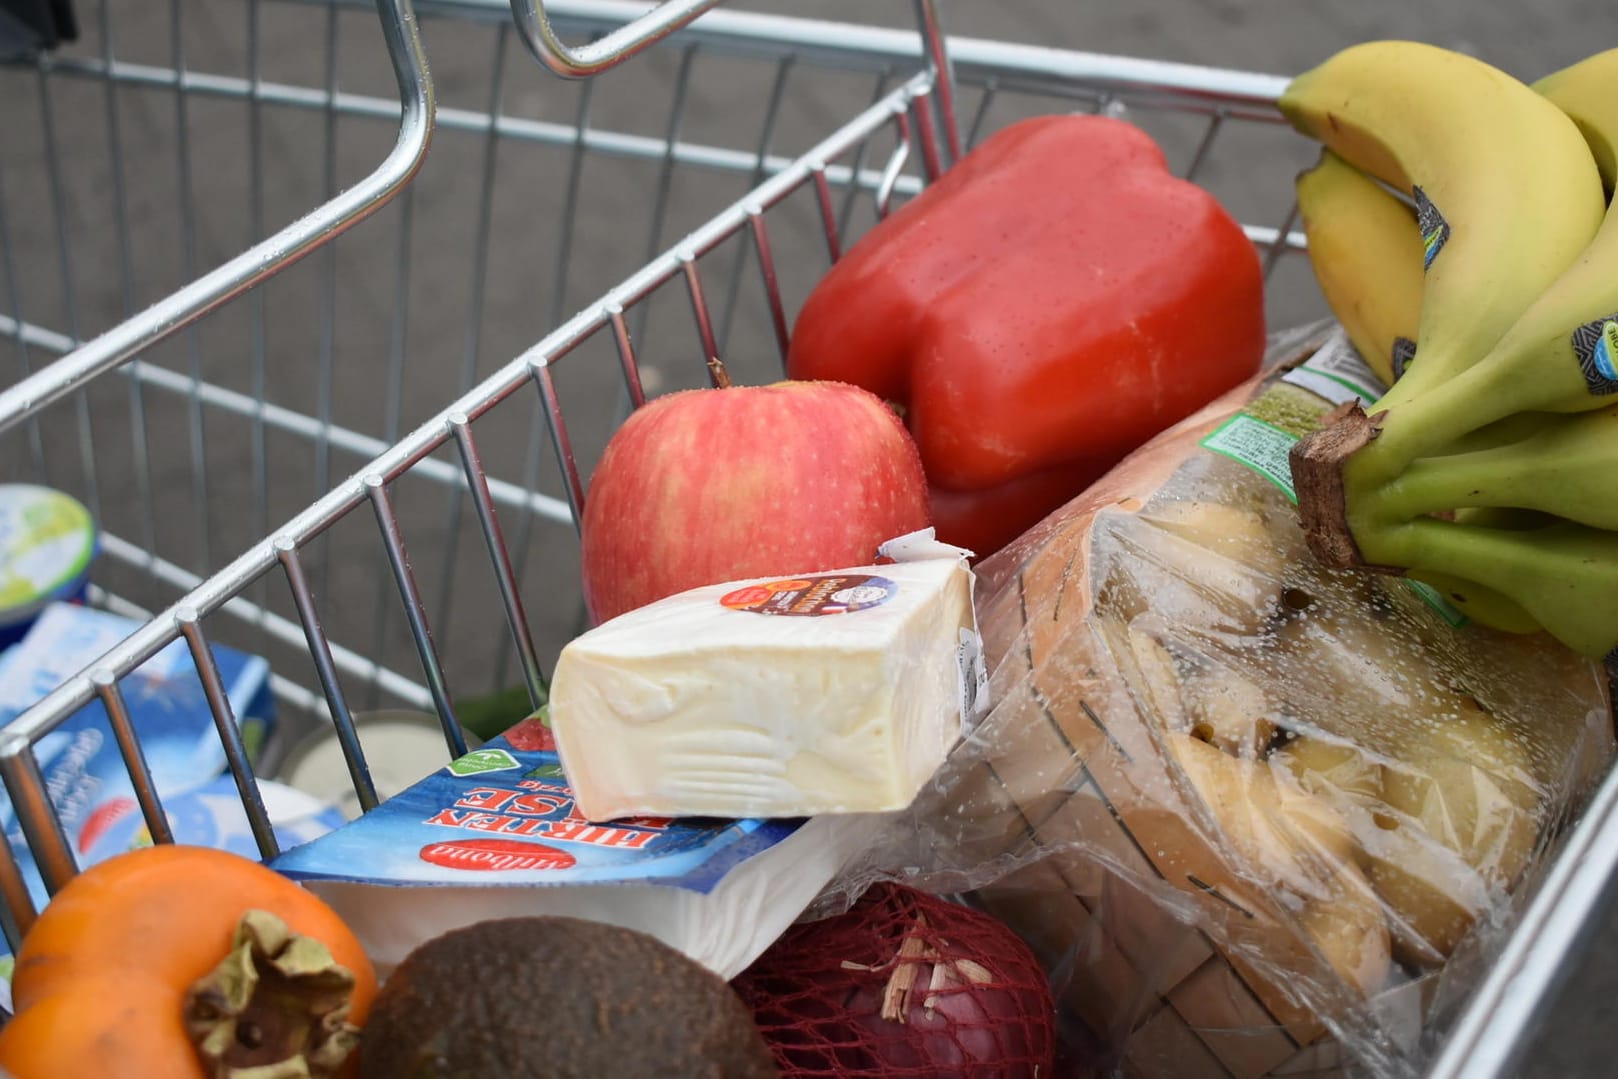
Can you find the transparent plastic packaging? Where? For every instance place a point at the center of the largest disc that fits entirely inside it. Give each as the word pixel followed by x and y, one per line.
pixel 1255 817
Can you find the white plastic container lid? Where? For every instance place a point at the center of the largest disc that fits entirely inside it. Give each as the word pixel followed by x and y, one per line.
pixel 47 542
pixel 400 748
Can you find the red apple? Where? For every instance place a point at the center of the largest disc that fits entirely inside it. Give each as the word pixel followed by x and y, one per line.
pixel 704 486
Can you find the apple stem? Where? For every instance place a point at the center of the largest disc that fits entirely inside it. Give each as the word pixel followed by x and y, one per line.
pixel 716 370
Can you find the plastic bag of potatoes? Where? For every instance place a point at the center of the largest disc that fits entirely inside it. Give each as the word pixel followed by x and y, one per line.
pixel 1258 817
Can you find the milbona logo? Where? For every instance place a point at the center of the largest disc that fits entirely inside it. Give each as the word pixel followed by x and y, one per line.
pixel 495 856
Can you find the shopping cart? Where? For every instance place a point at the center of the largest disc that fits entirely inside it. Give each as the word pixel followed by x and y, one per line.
pixel 284 476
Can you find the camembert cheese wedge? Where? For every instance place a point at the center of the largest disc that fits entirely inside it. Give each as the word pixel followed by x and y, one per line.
pixel 832 692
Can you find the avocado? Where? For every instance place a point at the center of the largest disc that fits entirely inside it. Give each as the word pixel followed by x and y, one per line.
pixel 557 998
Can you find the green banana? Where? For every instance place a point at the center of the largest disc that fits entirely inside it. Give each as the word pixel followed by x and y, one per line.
pixel 1503 432
pixel 1482 605
pixel 1564 575
pixel 1366 252
pixel 1517 520
pixel 1584 91
pixel 1566 469
pixel 1506 188
pixel 1561 356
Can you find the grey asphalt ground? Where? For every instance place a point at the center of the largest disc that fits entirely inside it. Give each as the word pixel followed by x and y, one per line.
pixel 109 201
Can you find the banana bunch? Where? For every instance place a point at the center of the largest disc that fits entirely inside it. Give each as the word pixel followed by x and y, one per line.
pixel 1490 468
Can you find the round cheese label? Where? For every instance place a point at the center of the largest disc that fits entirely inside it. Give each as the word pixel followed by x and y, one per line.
pixel 829 593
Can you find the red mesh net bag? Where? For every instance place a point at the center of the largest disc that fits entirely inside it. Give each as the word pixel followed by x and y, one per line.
pixel 903 984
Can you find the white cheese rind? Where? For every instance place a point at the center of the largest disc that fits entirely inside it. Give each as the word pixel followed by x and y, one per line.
pixel 688 707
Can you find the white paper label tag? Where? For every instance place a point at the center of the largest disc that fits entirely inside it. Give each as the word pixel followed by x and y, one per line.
pixel 919 546
pixel 974 679
pixel 1336 373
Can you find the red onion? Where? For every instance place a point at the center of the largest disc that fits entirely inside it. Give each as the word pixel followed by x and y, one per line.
pixel 904 984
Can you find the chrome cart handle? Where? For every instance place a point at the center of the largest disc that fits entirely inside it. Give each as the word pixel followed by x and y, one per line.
pixel 267 257
pixel 535 27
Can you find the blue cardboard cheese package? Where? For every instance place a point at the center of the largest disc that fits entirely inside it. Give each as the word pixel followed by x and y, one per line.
pixel 496 833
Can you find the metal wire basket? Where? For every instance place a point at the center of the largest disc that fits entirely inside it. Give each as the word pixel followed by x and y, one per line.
pixel 266 444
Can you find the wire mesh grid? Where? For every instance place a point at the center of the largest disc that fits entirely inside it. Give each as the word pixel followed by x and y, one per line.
pixel 285 477
pixel 216 437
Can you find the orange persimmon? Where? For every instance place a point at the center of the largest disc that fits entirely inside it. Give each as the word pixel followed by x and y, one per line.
pixel 105 979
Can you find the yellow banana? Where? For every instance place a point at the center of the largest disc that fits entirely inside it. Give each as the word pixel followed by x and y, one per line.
pixel 1564 576
pixel 1507 191
pixel 1560 355
pixel 1584 91
pixel 1366 253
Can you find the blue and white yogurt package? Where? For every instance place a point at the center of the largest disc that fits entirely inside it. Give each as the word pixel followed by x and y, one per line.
pixel 212 815
pixel 83 769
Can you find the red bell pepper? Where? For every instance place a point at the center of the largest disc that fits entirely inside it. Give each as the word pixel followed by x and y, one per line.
pixel 1046 306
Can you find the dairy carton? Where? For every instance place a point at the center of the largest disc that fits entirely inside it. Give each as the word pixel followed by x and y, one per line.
pixel 212 815
pixel 496 833
pixel 83 769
